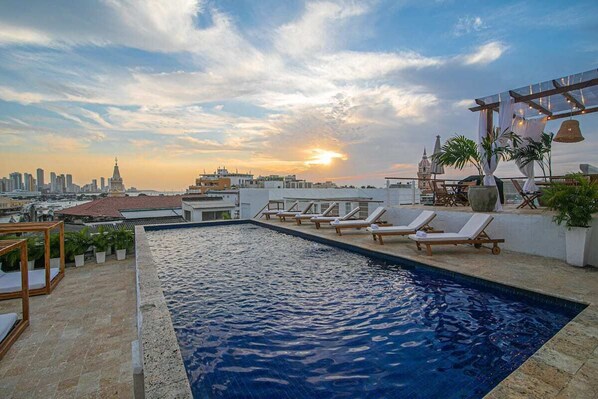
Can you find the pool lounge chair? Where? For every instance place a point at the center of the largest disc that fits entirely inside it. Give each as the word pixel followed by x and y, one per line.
pixel 419 223
pixel 283 215
pixel 273 212
pixel 472 233
pixel 10 283
pixel 358 224
pixel 318 220
pixel 306 216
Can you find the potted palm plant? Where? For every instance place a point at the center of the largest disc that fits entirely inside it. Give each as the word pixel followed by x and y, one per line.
pixel 123 240
pixel 101 242
pixel 77 243
pixel 35 251
pixel 54 250
pixel 460 151
pixel 574 205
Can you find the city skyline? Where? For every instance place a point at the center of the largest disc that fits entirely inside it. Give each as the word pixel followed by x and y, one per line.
pixel 330 90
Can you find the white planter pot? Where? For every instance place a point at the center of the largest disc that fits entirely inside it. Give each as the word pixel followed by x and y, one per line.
pixel 79 260
pixel 100 257
pixel 109 250
pixel 30 264
pixel 54 262
pixel 577 240
pixel 121 254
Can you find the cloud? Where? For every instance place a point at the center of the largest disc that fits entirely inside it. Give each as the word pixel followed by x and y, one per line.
pixel 485 54
pixel 22 36
pixel 467 25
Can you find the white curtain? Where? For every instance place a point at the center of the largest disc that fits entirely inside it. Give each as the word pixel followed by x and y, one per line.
pixel 529 130
pixel 505 118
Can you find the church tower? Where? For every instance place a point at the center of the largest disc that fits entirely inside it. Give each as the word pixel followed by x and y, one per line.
pixel 117 188
pixel 424 169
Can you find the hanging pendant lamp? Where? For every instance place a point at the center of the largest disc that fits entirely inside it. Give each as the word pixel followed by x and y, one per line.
pixel 569 131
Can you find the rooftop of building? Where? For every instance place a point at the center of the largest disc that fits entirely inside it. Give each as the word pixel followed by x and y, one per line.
pixel 113 206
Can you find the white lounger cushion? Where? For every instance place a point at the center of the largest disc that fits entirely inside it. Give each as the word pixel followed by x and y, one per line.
pixel 474 226
pixel 333 218
pixel 11 282
pixel 295 213
pixel 370 219
pixel 439 237
pixel 315 215
pixel 424 218
pixel 7 321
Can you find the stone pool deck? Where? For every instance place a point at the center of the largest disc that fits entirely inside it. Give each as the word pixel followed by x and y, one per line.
pixel 567 365
pixel 79 342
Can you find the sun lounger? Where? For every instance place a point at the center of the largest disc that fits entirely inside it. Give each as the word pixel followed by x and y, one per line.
pixel 358 224
pixel 305 216
pixel 7 322
pixel 273 212
pixel 283 215
pixel 420 223
pixel 318 220
pixel 472 233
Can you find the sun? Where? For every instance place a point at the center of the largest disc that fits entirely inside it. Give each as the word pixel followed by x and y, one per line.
pixel 323 157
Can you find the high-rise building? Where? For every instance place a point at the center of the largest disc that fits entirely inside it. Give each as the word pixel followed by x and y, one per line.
pixel 17 181
pixel 102 184
pixel 6 185
pixel 69 183
pixel 94 185
pixel 60 184
pixel 52 182
pixel 29 182
pixel 40 179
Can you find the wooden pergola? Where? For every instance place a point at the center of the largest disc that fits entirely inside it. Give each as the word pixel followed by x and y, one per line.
pixel 554 99
pixel 45 228
pixel 7 246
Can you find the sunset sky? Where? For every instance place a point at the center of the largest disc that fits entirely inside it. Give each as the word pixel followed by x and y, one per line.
pixel 329 90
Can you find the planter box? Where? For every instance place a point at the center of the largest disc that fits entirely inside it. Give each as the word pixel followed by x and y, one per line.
pixel 121 254
pixel 30 265
pixel 54 262
pixel 79 260
pixel 100 257
pixel 578 240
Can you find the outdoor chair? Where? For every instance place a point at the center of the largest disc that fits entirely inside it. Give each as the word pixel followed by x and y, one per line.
pixel 318 220
pixel 359 223
pixel 272 212
pixel 472 233
pixel 421 222
pixel 441 195
pixel 283 215
pixel 528 197
pixel 306 216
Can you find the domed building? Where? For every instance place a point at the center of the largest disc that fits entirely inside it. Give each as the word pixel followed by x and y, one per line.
pixel 117 188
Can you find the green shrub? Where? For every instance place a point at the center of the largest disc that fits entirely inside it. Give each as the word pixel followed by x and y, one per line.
pixel 77 243
pixel 574 204
pixel 123 238
pixel 101 240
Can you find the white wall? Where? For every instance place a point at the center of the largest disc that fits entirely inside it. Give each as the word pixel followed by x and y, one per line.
pixel 530 234
pixel 253 199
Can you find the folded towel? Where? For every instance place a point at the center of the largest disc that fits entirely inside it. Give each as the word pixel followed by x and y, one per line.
pixel 420 233
pixel 297 215
pixel 374 226
pixel 336 221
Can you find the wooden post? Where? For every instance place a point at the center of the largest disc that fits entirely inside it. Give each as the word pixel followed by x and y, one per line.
pixel 62 260
pixel 24 283
pixel 489 123
pixel 47 259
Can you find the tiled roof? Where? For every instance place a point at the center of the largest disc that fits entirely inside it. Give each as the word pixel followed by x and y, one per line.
pixel 110 207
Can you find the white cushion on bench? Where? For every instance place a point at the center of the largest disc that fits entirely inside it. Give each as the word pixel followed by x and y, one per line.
pixel 7 321
pixel 11 282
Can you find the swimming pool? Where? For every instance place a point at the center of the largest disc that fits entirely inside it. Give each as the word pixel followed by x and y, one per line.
pixel 260 314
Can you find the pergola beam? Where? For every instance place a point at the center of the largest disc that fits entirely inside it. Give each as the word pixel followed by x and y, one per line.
pixel 575 113
pixel 540 94
pixel 531 103
pixel 568 96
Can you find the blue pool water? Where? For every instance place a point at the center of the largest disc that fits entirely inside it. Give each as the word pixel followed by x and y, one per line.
pixel 260 314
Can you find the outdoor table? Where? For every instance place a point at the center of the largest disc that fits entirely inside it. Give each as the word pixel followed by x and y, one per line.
pixel 459 193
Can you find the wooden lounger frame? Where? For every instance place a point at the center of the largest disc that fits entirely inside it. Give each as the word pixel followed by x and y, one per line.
pixel 477 242
pixel 307 217
pixel 362 225
pixel 36 227
pixel 7 246
pixel 283 218
pixel 377 235
pixel 268 215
